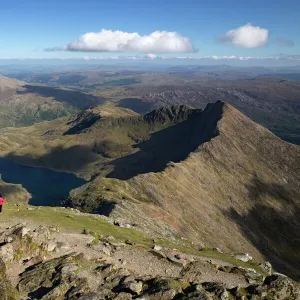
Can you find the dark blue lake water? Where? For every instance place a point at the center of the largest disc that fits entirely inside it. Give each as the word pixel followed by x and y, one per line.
pixel 46 186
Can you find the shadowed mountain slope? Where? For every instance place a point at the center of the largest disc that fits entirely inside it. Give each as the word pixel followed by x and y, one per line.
pixel 235 185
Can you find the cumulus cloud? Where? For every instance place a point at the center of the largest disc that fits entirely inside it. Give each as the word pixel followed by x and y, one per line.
pixel 285 43
pixel 246 36
pixel 120 41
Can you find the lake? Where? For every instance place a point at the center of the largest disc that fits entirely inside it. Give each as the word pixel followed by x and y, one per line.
pixel 46 186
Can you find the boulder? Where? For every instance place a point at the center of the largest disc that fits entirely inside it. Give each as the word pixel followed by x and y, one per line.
pixel 103 248
pixel 42 232
pixel 254 278
pixel 157 248
pixel 51 246
pixel 267 267
pixel 21 231
pixel 9 239
pixel 218 250
pixel 7 252
pixel 244 257
pixel 129 284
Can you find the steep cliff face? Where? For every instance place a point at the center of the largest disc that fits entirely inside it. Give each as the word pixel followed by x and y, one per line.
pixel 237 187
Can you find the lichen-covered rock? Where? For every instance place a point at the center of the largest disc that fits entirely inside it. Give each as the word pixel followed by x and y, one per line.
pixel 21 231
pixel 129 284
pixel 46 276
pixel 281 287
pixel 7 292
pixel 267 267
pixel 254 278
pixel 7 252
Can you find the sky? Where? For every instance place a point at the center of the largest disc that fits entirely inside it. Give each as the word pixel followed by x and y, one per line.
pixel 90 29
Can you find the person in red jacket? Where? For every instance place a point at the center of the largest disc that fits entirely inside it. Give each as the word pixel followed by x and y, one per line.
pixel 2 200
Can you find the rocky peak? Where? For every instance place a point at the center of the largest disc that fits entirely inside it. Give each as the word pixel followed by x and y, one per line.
pixel 174 114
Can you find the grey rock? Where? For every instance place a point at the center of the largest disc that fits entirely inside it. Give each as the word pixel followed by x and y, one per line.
pixel 175 260
pixel 254 278
pixel 7 252
pixel 21 231
pixel 51 246
pixel 157 248
pixel 218 250
pixel 106 249
pixel 136 287
pixel 267 267
pixel 244 257
pixel 62 246
pixel 9 239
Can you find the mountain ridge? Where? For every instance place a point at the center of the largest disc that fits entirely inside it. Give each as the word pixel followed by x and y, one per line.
pixel 243 170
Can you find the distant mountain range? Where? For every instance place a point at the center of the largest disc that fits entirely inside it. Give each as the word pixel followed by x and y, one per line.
pixel 273 103
pixel 22 104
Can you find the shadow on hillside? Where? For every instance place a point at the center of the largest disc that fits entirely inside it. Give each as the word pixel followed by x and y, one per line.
pixel 74 98
pixel 8 191
pixel 274 232
pixel 172 144
pixel 137 105
pixel 73 159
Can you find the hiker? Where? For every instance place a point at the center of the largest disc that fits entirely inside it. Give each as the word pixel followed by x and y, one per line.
pixel 2 200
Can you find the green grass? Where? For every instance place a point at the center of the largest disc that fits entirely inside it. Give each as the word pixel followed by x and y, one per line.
pixel 69 221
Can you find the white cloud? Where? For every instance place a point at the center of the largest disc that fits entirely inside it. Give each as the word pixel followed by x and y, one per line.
pixel 151 56
pixel 196 58
pixel 247 36
pixel 119 41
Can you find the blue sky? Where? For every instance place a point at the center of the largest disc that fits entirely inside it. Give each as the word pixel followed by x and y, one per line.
pixel 28 27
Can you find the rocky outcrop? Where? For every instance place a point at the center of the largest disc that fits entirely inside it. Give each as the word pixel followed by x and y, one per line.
pixel 71 277
pixel 50 271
